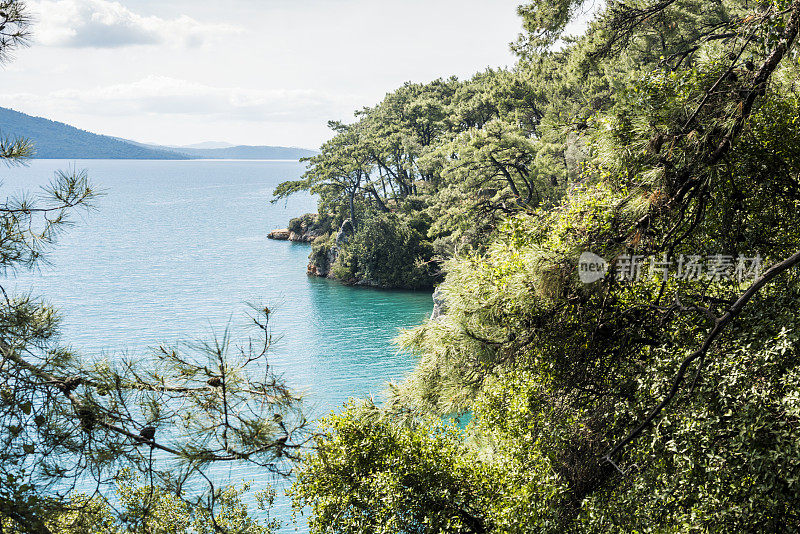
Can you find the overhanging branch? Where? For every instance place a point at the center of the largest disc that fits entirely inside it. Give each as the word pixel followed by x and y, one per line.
pixel 719 326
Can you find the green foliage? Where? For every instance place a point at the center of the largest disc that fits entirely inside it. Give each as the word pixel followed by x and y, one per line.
pixel 15 150
pixel 14 27
pixel 664 404
pixel 449 158
pixel 728 459
pixel 386 252
pixel 370 475
pixel 544 21
pixel 151 510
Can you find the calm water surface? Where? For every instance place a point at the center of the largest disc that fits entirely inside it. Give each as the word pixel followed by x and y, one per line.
pixel 175 250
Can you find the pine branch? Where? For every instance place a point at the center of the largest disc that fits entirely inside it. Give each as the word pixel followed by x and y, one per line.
pixel 14 151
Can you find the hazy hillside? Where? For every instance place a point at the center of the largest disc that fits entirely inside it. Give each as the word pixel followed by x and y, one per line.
pixel 56 140
pixel 242 152
pixel 206 144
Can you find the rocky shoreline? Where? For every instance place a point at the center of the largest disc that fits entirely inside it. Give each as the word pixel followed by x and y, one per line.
pixel 303 229
pixel 284 234
pixel 306 229
pixel 327 243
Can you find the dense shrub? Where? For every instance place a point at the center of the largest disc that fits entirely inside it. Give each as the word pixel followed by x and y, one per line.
pixel 385 251
pixel 371 476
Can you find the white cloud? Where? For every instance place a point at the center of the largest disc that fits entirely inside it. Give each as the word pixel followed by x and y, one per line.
pixel 109 24
pixel 161 95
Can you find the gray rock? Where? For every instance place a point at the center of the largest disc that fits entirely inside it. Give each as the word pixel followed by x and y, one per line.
pixel 333 253
pixel 344 232
pixel 323 269
pixel 280 235
pixel 439 305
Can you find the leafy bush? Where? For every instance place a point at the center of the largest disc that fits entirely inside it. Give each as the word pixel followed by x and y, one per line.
pixel 385 251
pixel 370 475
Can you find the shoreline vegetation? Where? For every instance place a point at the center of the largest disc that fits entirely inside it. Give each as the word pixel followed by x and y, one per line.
pixel 661 395
pixel 326 247
pixel 653 387
pixel 429 173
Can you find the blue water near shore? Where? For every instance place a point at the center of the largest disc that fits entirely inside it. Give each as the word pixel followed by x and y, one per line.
pixel 175 249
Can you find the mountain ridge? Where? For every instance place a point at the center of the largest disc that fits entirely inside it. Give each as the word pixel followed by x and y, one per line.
pixel 57 140
pixel 238 152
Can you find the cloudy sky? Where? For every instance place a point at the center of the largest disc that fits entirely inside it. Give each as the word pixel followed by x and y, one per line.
pixel 242 71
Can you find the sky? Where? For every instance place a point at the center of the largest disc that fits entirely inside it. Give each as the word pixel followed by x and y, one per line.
pixel 257 72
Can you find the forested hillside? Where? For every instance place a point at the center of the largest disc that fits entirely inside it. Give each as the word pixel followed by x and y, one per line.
pixel 650 386
pixel 55 140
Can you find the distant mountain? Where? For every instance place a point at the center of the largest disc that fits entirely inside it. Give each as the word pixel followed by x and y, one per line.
pixel 207 144
pixel 56 140
pixel 244 152
pixel 240 152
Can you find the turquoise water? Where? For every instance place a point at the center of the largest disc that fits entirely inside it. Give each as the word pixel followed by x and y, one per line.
pixel 175 250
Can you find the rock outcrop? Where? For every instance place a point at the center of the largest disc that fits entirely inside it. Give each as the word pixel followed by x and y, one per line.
pixel 281 234
pixel 303 229
pixel 284 234
pixel 345 232
pixel 320 262
pixel 439 305
pixel 328 246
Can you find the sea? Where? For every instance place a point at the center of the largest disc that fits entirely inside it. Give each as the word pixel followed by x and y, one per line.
pixel 177 251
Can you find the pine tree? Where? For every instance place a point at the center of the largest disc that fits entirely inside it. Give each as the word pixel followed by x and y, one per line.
pixel 69 425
